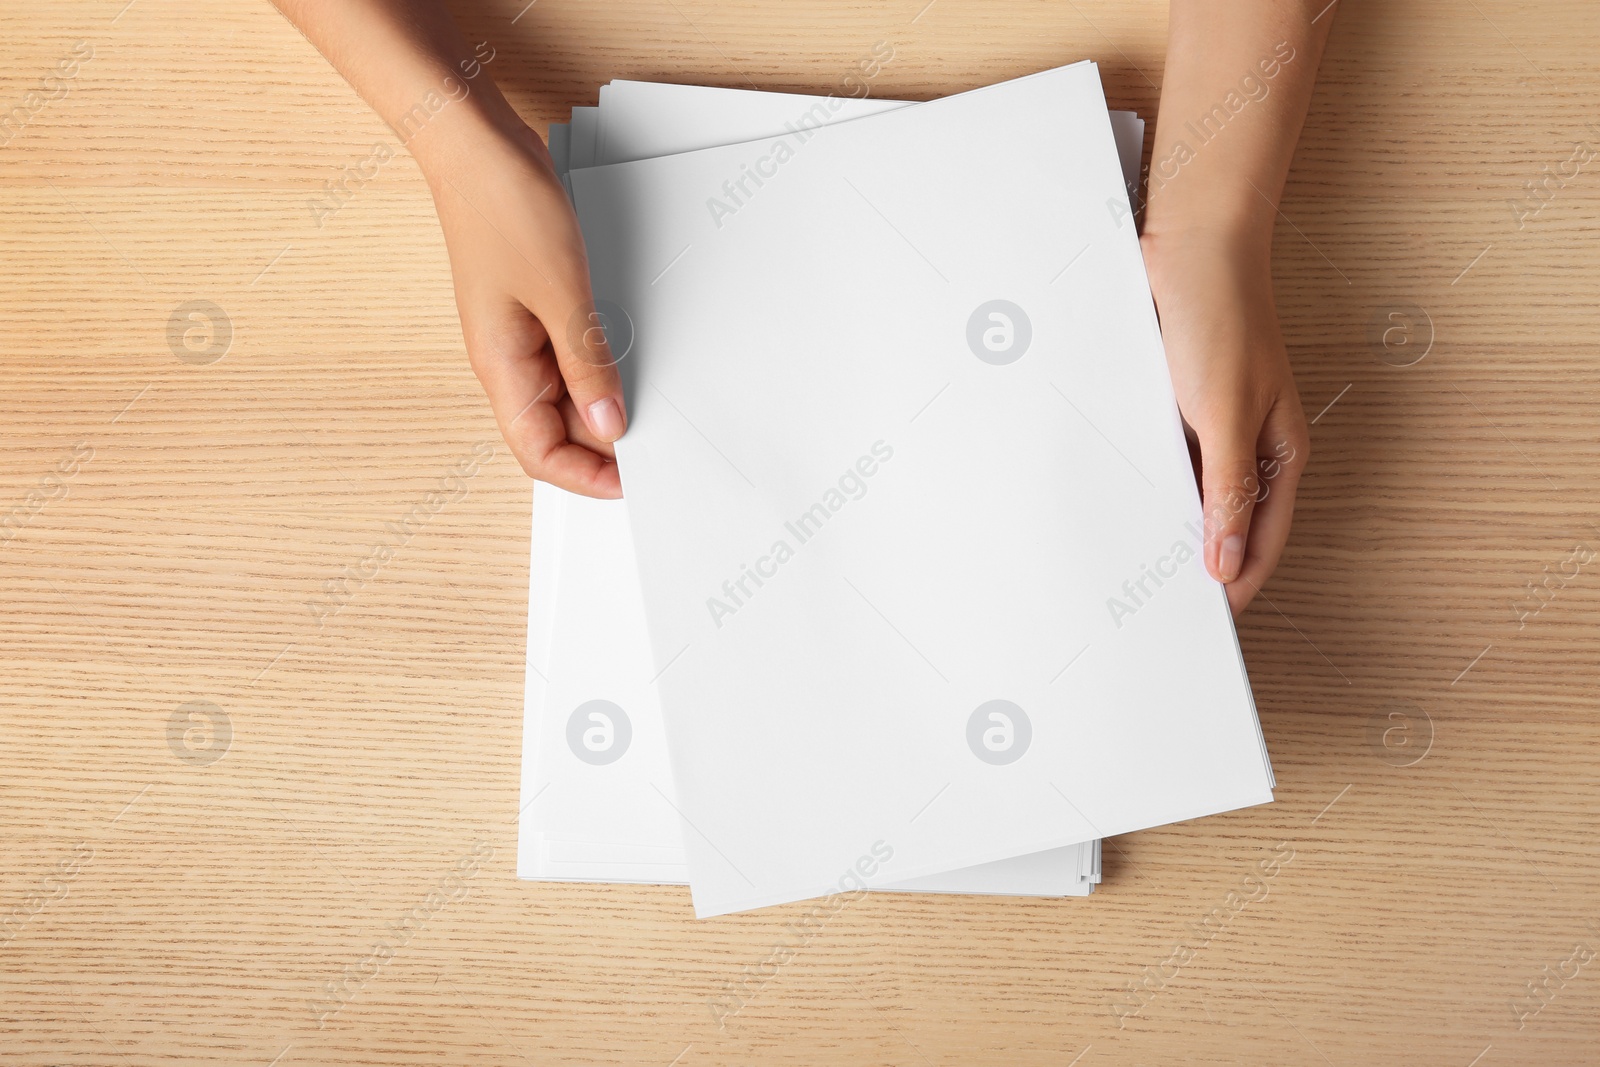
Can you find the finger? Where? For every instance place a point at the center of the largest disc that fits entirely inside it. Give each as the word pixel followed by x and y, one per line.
pixel 1229 486
pixel 561 463
pixel 580 338
pixel 511 356
pixel 578 431
pixel 1281 461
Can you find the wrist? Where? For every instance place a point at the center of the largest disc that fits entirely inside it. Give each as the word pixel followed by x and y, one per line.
pixel 1238 239
pixel 457 138
pixel 1234 210
pixel 1207 258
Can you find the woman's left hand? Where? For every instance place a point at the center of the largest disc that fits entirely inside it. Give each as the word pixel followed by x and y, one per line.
pixel 1235 390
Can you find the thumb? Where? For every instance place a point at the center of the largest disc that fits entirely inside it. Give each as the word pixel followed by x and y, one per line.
pixel 584 351
pixel 1229 488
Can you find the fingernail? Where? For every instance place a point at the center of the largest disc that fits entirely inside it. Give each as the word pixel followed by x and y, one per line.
pixel 1231 556
pixel 605 418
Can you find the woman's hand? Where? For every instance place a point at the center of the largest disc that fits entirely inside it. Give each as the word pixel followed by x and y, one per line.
pixel 522 289
pixel 521 276
pixel 1236 393
pixel 1234 94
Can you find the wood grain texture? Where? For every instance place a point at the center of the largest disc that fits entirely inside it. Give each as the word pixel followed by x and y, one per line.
pixel 156 909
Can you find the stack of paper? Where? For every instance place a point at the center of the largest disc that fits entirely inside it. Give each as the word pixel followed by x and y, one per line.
pixel 918 601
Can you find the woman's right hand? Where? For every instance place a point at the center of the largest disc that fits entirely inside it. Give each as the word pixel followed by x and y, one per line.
pixel 527 313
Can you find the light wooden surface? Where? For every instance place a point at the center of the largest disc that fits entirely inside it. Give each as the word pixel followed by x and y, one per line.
pixel 156 908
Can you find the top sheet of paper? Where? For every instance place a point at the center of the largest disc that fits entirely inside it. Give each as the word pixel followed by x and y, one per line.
pixel 915 520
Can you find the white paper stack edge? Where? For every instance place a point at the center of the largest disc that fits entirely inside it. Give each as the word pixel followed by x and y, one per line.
pixel 604 813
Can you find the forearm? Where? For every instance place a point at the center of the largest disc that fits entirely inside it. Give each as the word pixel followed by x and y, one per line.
pixel 1238 80
pixel 409 61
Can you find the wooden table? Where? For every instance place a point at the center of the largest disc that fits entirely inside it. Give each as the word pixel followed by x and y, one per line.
pixel 213 803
